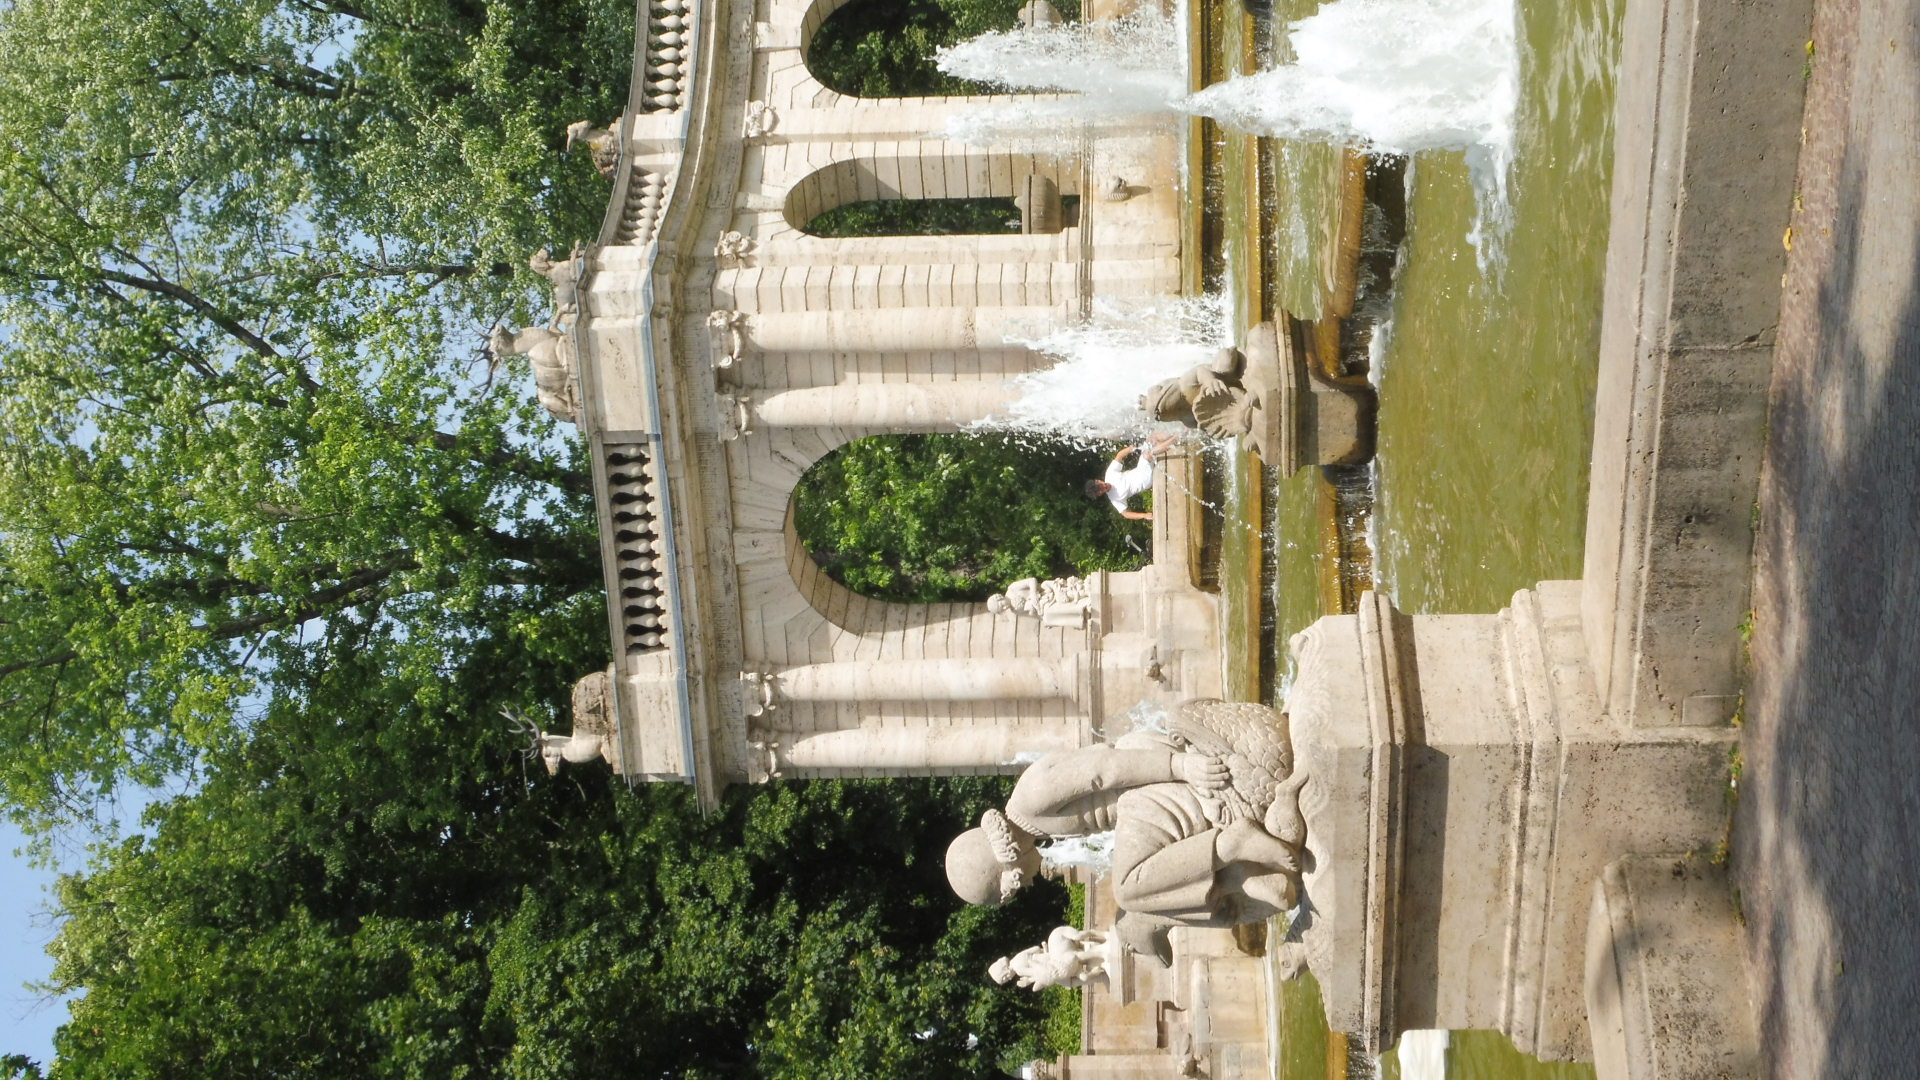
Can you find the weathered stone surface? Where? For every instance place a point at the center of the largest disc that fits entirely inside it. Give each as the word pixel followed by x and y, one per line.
pixel 1465 791
pixel 1666 981
pixel 1702 186
pixel 723 349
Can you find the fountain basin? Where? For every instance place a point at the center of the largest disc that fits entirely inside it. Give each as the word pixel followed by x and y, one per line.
pixel 1305 417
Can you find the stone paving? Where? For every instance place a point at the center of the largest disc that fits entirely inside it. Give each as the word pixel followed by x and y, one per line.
pixel 1827 834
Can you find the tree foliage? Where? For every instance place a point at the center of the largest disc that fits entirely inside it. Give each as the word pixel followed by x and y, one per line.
pixel 918 217
pixel 268 523
pixel 958 517
pixel 365 889
pixel 248 252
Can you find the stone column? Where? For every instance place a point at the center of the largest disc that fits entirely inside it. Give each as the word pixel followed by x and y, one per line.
pixel 928 680
pixel 943 406
pixel 928 329
pixel 914 747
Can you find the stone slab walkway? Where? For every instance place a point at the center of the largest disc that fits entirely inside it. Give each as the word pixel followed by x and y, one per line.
pixel 1827 836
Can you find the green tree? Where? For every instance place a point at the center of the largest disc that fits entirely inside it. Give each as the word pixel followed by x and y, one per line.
pixel 369 887
pixel 958 517
pixel 917 217
pixel 248 253
pixel 266 521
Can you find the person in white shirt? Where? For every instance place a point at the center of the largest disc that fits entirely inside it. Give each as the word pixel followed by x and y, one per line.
pixel 1121 484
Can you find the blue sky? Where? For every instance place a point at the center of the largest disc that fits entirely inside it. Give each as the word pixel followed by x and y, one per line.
pixel 26 1019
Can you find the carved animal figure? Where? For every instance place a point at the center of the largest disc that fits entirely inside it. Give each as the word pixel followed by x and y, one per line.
pixel 1210 397
pixel 592 735
pixel 566 293
pixel 602 141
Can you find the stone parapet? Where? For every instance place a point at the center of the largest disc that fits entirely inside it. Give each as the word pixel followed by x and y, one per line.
pixel 1703 174
pixel 1666 986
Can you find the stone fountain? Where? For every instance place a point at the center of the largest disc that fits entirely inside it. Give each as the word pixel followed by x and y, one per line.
pixel 1278 403
pixel 1503 820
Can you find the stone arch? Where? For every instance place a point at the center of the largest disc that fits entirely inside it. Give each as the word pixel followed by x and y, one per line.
pixel 934 170
pixel 816 15
pixel 848 685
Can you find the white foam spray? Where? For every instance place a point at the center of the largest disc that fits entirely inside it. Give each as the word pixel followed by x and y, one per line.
pixel 1093 853
pixel 1395 76
pixel 1392 76
pixel 1102 366
pixel 1117 69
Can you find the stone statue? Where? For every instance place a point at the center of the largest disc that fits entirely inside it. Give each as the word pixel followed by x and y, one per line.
pixel 549 353
pixel 592 738
pixel 1211 396
pixel 1063 602
pixel 1205 817
pixel 563 276
pixel 603 142
pixel 1075 958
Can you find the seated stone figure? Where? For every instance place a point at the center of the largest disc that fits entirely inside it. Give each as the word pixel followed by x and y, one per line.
pixel 1205 820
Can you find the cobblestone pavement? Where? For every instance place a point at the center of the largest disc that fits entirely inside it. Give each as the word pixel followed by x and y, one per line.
pixel 1827 835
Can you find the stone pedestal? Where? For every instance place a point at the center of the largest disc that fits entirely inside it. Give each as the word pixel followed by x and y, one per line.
pixel 1304 417
pixel 1666 974
pixel 1466 793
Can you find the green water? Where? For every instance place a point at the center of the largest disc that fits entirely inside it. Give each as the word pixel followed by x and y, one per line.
pixel 1486 384
pixel 1485 381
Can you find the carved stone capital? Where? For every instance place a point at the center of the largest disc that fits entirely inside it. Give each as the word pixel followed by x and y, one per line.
pixel 762 690
pixel 733 248
pixel 763 761
pixel 760 121
pixel 726 340
pixel 736 416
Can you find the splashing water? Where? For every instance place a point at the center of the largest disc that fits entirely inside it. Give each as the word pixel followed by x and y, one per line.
pixel 1093 853
pixel 1392 76
pixel 1092 393
pixel 1119 69
pixel 1398 77
pixel 1148 716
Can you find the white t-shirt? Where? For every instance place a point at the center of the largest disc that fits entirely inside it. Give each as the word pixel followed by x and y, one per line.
pixel 1128 482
